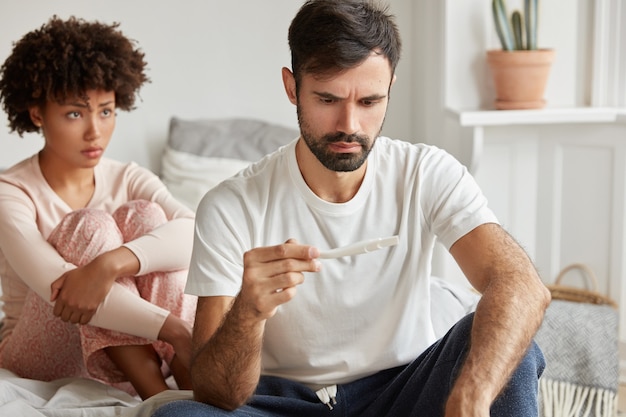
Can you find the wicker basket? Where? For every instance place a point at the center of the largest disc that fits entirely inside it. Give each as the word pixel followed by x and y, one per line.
pixel 567 293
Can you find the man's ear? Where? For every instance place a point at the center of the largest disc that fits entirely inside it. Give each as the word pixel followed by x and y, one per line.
pixel 393 81
pixel 35 115
pixel 289 81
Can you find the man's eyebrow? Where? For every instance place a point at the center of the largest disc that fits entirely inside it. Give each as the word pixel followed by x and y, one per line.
pixel 372 97
pixel 326 95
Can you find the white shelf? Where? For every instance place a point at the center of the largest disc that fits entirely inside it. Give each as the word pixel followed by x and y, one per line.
pixel 478 118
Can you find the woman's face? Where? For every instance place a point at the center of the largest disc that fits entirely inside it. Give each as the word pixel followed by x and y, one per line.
pixel 77 131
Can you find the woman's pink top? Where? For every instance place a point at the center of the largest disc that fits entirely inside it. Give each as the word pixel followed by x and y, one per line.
pixel 30 210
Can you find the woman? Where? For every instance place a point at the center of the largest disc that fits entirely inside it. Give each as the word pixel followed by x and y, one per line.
pixel 93 252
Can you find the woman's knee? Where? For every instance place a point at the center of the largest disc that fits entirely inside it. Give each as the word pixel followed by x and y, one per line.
pixel 84 234
pixel 138 217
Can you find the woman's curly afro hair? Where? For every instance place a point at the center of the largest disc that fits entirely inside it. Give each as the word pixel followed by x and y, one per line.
pixel 64 59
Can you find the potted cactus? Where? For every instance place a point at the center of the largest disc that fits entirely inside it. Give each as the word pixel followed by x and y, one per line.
pixel 520 69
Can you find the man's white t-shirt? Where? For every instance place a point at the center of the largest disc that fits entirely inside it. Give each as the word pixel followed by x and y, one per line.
pixel 359 314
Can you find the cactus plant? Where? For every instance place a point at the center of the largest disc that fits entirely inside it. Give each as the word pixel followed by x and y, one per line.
pixel 511 33
pixel 518 36
pixel 530 10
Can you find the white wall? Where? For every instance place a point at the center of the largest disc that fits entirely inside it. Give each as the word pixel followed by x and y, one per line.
pixel 207 58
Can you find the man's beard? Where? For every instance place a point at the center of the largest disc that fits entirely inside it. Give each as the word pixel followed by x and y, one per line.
pixel 335 161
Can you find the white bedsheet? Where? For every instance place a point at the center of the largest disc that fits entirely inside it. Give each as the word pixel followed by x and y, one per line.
pixel 74 397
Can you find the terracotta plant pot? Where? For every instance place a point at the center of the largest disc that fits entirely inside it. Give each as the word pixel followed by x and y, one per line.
pixel 520 77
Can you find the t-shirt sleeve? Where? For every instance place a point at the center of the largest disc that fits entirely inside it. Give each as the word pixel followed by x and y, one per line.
pixel 452 200
pixel 219 243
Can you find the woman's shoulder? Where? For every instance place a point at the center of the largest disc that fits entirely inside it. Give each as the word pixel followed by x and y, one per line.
pixel 24 172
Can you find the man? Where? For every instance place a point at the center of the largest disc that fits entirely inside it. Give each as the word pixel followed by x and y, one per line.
pixel 280 331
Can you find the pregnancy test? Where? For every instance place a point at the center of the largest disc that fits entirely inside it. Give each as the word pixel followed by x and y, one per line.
pixel 363 246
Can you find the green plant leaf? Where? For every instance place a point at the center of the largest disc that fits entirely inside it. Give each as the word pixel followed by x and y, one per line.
pixel 503 28
pixel 531 14
pixel 516 22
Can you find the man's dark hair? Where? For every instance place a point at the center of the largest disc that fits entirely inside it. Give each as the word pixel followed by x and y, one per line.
pixel 65 59
pixel 327 36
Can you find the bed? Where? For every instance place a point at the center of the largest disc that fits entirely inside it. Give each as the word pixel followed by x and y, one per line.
pixel 198 155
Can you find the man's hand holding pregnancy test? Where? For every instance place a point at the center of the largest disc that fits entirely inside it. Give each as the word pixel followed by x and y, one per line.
pixel 271 273
pixel 270 277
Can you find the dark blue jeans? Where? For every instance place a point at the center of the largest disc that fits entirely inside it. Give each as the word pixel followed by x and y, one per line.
pixel 417 389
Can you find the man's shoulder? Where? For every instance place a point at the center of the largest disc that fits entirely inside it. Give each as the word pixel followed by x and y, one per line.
pixel 405 150
pixel 265 169
pixel 405 145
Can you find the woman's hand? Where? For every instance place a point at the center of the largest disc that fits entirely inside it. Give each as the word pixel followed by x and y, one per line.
pixel 78 293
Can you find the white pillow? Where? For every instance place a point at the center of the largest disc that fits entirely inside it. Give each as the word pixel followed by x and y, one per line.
pixel 189 176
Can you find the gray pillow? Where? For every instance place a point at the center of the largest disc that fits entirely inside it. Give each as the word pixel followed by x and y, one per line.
pixel 244 139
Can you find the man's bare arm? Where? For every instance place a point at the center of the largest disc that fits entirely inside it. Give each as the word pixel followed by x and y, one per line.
pixel 228 333
pixel 507 317
pixel 215 353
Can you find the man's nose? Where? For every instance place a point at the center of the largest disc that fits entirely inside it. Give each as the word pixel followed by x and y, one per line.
pixel 348 120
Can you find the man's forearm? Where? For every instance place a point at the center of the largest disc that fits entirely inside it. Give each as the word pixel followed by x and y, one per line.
pixel 226 370
pixel 506 319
